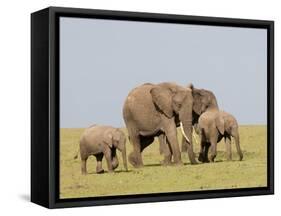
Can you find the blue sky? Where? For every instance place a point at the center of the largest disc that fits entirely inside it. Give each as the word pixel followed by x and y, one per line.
pixel 102 60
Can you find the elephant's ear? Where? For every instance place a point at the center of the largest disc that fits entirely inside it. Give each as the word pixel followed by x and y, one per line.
pixel 116 137
pixel 178 99
pixel 220 124
pixel 162 97
pixel 109 139
pixel 197 102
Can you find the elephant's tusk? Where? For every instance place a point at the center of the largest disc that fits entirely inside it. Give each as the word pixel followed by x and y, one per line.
pixel 183 133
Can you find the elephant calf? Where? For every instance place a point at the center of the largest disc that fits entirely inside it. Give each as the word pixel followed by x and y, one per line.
pixel 102 141
pixel 214 125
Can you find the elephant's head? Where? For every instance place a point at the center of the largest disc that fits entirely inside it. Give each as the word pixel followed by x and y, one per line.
pixel 175 101
pixel 118 140
pixel 203 100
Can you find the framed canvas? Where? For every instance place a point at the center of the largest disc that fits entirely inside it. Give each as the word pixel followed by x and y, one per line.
pixel 130 107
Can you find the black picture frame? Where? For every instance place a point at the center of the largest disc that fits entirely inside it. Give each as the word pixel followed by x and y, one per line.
pixel 45 106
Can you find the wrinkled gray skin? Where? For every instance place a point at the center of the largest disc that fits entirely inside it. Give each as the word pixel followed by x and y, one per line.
pixel 152 110
pixel 203 100
pixel 214 125
pixel 102 141
pixel 156 110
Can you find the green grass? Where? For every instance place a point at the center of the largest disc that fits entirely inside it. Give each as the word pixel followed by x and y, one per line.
pixel 153 178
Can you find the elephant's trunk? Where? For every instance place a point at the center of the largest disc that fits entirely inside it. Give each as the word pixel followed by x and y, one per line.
pixel 237 143
pixel 187 144
pixel 124 157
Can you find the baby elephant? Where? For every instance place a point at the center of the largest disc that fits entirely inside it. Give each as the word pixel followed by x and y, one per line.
pixel 213 126
pixel 102 141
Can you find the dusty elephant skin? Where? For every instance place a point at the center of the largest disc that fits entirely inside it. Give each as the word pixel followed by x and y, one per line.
pixel 213 126
pixel 102 141
pixel 156 110
pixel 203 100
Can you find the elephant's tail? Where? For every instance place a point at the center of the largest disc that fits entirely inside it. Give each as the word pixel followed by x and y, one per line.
pixel 76 155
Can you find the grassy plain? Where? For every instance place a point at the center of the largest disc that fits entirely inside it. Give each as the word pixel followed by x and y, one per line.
pixel 153 178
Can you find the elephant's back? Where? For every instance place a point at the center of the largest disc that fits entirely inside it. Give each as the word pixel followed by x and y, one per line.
pixel 138 98
pixel 93 132
pixel 138 91
pixel 207 115
pixel 88 133
pixel 227 115
pixel 139 108
pixel 206 119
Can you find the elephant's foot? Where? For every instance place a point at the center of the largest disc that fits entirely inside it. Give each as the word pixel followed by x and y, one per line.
pixel 201 157
pixel 134 161
pixel 99 170
pixel 110 171
pixel 167 160
pixel 178 163
pixel 191 157
pixel 206 160
pixel 212 159
pixel 193 162
pixel 114 164
pixel 165 163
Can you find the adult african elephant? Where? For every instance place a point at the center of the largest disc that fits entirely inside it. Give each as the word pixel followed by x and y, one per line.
pixel 156 110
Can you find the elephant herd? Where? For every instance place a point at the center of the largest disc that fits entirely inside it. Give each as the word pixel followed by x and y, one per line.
pixel 155 111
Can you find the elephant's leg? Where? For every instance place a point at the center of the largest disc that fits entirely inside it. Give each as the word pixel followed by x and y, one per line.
pixel 165 149
pixel 162 142
pixel 201 156
pixel 189 147
pixel 99 168
pixel 107 155
pixel 146 141
pixel 228 148
pixel 115 161
pixel 213 149
pixel 237 143
pixel 171 133
pixel 135 156
pixel 84 165
pixel 202 149
pixel 206 152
